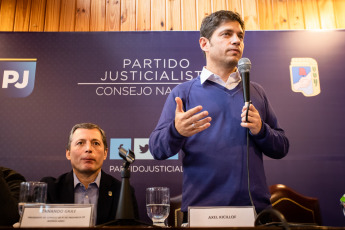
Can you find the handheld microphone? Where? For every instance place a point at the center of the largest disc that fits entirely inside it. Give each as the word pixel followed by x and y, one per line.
pixel 244 66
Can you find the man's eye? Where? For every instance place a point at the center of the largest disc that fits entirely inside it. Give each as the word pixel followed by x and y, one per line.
pixel 79 143
pixel 97 143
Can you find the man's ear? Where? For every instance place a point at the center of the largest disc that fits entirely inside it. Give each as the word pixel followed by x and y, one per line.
pixel 68 155
pixel 204 44
pixel 105 154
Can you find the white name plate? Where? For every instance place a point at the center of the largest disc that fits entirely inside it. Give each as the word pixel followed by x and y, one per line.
pixel 223 216
pixel 57 215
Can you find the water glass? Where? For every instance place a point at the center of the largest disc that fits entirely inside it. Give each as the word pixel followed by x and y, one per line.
pixel 158 204
pixel 32 192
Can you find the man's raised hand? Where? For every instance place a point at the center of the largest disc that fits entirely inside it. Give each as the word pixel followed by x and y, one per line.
pixel 192 121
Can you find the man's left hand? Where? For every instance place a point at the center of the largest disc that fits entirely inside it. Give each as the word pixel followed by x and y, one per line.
pixel 254 122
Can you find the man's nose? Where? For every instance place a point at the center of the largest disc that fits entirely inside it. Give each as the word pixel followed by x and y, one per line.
pixel 88 147
pixel 235 39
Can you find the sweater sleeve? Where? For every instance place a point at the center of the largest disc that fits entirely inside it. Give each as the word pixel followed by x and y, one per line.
pixel 165 141
pixel 271 139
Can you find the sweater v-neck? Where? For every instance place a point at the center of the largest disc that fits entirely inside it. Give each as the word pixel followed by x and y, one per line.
pixel 231 92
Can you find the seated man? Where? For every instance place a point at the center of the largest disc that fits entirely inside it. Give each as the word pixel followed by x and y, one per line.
pixel 87 183
pixel 9 195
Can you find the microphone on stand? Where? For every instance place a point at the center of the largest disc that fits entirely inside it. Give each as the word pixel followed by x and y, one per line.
pixel 244 66
pixel 125 213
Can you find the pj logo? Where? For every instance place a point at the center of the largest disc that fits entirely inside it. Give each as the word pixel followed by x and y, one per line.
pixel 304 75
pixel 141 148
pixel 17 77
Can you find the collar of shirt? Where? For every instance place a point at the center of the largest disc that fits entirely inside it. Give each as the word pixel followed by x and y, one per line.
pixel 231 83
pixel 77 181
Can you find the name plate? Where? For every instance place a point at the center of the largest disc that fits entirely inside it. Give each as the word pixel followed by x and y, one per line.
pixel 223 216
pixel 57 215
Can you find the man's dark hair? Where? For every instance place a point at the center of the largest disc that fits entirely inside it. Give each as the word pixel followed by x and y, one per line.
pixel 87 126
pixel 213 21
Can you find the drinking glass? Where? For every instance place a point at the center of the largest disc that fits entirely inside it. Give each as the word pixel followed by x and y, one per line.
pixel 32 192
pixel 158 204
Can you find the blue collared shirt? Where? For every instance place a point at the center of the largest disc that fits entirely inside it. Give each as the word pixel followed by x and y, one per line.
pixel 231 83
pixel 89 195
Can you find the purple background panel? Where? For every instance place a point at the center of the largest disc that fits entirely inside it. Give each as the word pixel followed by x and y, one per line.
pixel 70 88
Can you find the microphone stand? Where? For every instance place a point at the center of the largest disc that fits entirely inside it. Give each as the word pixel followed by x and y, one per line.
pixel 125 214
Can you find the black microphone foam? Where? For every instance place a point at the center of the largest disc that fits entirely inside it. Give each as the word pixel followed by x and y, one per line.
pixel 244 66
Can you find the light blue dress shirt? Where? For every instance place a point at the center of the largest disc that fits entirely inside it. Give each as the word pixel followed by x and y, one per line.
pixel 89 195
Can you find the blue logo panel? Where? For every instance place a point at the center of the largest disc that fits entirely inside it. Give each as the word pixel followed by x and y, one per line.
pixel 115 144
pixel 17 77
pixel 140 149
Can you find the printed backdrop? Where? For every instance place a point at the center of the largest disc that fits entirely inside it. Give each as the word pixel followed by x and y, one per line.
pixel 120 80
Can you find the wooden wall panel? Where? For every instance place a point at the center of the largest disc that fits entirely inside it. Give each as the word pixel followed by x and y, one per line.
pixel 327 18
pixel 22 16
pixel 219 5
pixel 339 9
pixel 203 9
pixel 132 15
pixel 266 15
pixel 311 14
pixel 67 15
pixel 235 5
pixel 189 18
pixel 37 16
pixel 295 15
pixel 174 15
pixel 82 17
pixel 7 12
pixel 52 18
pixel 158 11
pixel 143 15
pixel 97 17
pixel 250 15
pixel 113 20
pixel 280 15
pixel 128 15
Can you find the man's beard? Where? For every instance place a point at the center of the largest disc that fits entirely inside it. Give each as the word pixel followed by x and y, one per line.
pixel 229 63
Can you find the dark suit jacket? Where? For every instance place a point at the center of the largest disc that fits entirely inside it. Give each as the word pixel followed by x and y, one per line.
pixel 61 191
pixel 9 194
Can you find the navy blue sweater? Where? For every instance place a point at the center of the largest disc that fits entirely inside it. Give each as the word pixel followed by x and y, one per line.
pixel 215 160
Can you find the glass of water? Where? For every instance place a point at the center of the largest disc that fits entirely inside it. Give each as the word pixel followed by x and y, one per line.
pixel 158 204
pixel 32 192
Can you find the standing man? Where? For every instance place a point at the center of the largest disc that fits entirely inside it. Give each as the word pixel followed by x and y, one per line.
pixel 87 148
pixel 205 120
